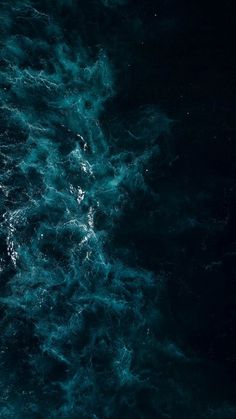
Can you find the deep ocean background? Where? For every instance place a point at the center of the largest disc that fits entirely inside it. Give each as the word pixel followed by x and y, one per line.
pixel 117 194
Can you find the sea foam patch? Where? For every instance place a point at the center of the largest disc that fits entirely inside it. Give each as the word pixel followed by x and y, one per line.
pixel 81 322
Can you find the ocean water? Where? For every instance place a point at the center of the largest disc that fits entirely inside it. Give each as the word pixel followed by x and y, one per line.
pixel 112 238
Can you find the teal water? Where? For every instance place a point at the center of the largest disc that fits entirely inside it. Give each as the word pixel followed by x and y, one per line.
pixel 86 328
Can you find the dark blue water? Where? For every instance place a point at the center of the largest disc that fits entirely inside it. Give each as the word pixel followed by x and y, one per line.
pixel 117 192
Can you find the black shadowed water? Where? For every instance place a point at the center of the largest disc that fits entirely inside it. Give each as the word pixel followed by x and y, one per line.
pixel 117 192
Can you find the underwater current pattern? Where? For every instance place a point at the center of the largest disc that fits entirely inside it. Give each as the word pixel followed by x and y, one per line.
pixel 86 327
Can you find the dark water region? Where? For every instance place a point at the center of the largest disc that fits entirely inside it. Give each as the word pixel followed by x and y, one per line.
pixel 117 193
